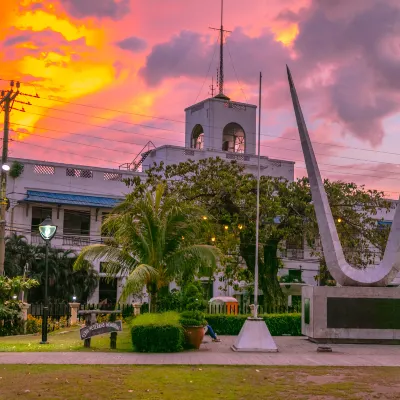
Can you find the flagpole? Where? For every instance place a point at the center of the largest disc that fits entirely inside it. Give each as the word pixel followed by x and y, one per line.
pixel 258 206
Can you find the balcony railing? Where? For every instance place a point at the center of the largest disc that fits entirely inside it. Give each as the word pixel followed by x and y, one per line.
pixel 36 239
pixel 292 254
pixel 76 241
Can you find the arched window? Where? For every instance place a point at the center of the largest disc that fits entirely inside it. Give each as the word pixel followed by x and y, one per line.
pixel 233 138
pixel 197 137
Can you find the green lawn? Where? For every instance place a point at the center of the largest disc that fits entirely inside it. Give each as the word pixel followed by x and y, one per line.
pixel 69 341
pixel 206 382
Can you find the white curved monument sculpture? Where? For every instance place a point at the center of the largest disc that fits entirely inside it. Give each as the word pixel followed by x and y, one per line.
pixel 344 274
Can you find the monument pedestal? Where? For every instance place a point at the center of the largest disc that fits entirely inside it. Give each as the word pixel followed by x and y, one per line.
pixel 255 337
pixel 351 314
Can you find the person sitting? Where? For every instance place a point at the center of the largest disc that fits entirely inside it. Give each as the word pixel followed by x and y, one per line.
pixel 211 333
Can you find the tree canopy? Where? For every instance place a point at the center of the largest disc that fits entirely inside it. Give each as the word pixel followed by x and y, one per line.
pixel 228 194
pixel 157 238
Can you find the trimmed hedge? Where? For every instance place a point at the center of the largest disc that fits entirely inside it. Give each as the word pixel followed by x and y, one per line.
pixel 278 324
pixel 157 333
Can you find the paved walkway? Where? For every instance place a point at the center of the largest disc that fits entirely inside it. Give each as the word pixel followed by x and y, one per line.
pixel 295 351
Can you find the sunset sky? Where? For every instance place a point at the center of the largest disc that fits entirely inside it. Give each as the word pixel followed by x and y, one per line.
pixel 114 74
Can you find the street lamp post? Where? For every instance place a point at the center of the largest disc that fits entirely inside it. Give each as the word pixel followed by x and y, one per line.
pixel 47 231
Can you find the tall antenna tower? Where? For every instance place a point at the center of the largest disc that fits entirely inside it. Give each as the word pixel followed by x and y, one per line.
pixel 221 56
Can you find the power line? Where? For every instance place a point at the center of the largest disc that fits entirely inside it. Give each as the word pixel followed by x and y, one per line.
pixel 80 134
pixel 263 145
pixel 234 69
pixel 208 71
pixel 65 151
pixel 82 144
pixel 175 120
pixel 115 162
pixel 101 127
pixel 174 131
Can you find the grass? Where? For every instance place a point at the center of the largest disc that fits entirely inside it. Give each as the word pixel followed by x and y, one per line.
pixel 191 382
pixel 68 341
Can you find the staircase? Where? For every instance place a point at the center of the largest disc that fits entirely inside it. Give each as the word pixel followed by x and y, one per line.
pixel 139 159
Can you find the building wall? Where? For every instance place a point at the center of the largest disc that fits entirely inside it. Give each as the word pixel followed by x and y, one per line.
pixel 175 155
pixel 53 177
pixel 214 114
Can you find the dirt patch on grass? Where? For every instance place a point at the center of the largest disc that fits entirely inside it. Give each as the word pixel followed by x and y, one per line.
pixel 69 382
pixel 328 378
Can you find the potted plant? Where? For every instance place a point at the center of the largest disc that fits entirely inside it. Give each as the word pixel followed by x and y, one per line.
pixel 192 319
pixel 193 323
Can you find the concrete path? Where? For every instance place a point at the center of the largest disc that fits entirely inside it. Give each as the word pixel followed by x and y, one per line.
pixel 296 351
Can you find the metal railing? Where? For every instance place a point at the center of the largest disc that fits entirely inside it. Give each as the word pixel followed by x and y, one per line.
pixel 56 310
pixel 76 241
pixel 237 309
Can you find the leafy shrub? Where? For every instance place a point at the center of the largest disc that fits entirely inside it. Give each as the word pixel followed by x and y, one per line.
pixel 16 169
pixel 169 301
pixel 157 333
pixel 33 324
pixel 192 318
pixel 192 297
pixel 10 318
pixel 278 324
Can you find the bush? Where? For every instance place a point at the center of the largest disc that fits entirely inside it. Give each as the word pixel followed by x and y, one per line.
pixel 278 324
pixel 34 324
pixel 192 318
pixel 157 333
pixel 192 297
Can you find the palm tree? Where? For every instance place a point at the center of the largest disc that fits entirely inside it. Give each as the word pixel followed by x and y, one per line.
pixel 19 254
pixel 156 239
pixel 64 281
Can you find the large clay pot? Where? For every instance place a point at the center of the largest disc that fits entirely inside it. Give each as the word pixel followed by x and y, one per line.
pixel 194 336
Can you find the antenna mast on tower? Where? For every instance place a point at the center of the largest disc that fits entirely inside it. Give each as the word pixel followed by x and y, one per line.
pixel 221 56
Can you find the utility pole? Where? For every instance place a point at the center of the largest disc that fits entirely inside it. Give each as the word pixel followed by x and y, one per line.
pixel 8 100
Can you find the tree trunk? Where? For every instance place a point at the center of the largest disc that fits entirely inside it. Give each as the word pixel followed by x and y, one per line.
pixel 274 299
pixel 268 267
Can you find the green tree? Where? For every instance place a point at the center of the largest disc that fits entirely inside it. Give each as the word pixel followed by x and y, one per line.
pixel 228 194
pixel 64 282
pixel 156 239
pixel 19 253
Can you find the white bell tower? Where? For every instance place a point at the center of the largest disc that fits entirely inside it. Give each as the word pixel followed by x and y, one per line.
pixel 219 123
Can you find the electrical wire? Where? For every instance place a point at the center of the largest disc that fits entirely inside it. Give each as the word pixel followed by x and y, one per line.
pixel 274 147
pixel 234 69
pixel 209 67
pixel 180 121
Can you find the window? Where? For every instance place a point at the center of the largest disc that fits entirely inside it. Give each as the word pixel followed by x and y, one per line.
pixel 79 173
pixel 103 266
pixel 295 273
pixel 198 137
pixel 43 169
pixel 76 222
pixel 207 287
pixel 39 214
pixel 233 138
pixel 108 290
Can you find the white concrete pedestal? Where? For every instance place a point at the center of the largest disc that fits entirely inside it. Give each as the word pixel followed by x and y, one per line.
pixel 255 337
pixel 351 314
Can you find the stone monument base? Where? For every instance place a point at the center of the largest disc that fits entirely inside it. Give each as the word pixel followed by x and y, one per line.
pixel 351 314
pixel 255 337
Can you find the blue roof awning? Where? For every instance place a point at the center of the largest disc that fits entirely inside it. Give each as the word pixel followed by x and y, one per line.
pixel 384 223
pixel 71 199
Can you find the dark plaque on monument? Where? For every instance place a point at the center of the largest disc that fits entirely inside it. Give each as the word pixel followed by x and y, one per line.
pixel 100 328
pixel 363 313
